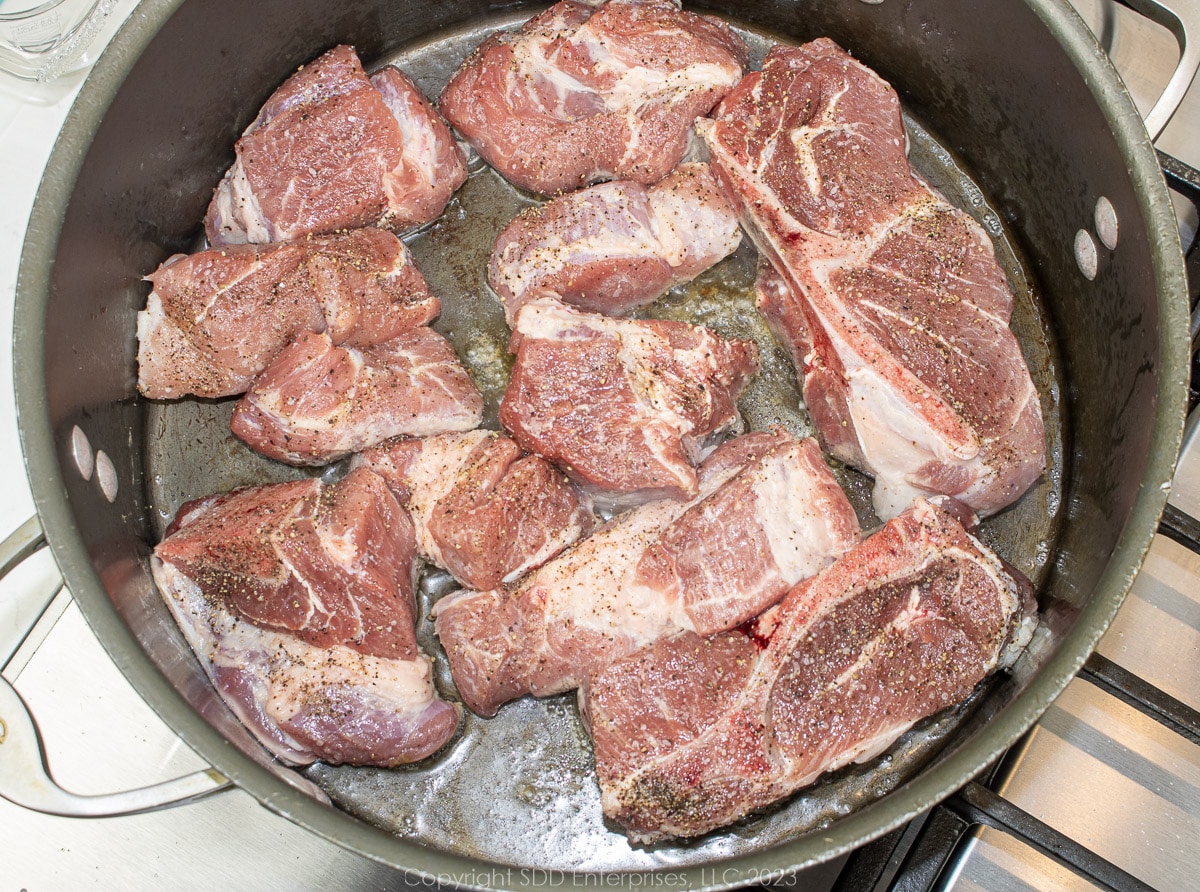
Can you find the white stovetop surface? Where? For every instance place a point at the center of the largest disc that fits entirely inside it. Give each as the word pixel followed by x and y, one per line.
pixel 100 736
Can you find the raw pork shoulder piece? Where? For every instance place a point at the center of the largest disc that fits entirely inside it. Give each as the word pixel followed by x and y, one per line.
pixel 582 94
pixel 625 406
pixel 769 513
pixel 892 299
pixel 617 246
pixel 317 402
pixel 298 601
pixel 334 150
pixel 693 733
pixel 483 510
pixel 214 319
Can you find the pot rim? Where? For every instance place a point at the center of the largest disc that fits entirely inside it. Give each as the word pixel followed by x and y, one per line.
pixel 420 864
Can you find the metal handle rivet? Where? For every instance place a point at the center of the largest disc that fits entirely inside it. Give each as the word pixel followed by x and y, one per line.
pixel 106 475
pixel 1106 223
pixel 81 451
pixel 1085 254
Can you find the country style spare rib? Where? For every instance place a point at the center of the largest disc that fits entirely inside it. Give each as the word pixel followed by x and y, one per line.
pixel 333 149
pixel 890 298
pixel 297 599
pixel 484 510
pixel 216 318
pixel 586 92
pixel 617 246
pixel 692 733
pixel 626 407
pixel 317 402
pixel 768 514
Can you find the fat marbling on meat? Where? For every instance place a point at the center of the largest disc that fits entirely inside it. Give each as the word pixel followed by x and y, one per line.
pixel 484 510
pixel 890 298
pixel 297 599
pixel 625 406
pixel 333 149
pixel 692 733
pixel 317 402
pixel 216 318
pixel 615 247
pixel 768 513
pixel 587 92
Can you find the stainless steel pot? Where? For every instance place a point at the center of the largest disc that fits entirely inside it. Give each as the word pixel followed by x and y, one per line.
pixel 1017 91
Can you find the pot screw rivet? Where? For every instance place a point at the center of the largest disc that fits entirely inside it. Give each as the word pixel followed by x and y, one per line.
pixel 1085 254
pixel 81 451
pixel 106 475
pixel 1106 223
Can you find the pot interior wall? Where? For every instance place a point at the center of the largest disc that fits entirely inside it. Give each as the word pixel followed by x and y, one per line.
pixel 976 74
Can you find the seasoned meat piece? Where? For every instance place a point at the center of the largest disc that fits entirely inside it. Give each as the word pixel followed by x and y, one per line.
pixel 891 298
pixel 692 733
pixel 334 150
pixel 768 514
pixel 214 319
pixel 298 601
pixel 432 165
pixel 484 510
pixel 584 93
pixel 626 407
pixel 615 247
pixel 316 402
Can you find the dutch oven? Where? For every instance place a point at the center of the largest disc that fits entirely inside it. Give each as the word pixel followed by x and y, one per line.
pixel 1016 93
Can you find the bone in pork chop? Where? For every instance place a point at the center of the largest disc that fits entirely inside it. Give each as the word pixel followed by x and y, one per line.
pixel 297 599
pixel 317 402
pixel 768 514
pixel 214 319
pixel 625 406
pixel 617 246
pixel 891 299
pixel 484 510
pixel 334 150
pixel 693 733
pixel 584 93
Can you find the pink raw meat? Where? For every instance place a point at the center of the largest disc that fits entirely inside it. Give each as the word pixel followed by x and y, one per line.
pixel 625 406
pixel 484 510
pixel 334 150
pixel 298 601
pixel 617 246
pixel 692 733
pixel 317 402
pixel 214 319
pixel 584 93
pixel 768 514
pixel 891 299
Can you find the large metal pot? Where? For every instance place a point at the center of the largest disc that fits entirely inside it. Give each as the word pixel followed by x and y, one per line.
pixel 1018 90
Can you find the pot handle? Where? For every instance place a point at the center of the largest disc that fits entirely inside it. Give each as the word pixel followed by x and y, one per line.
pixel 1184 24
pixel 24 775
